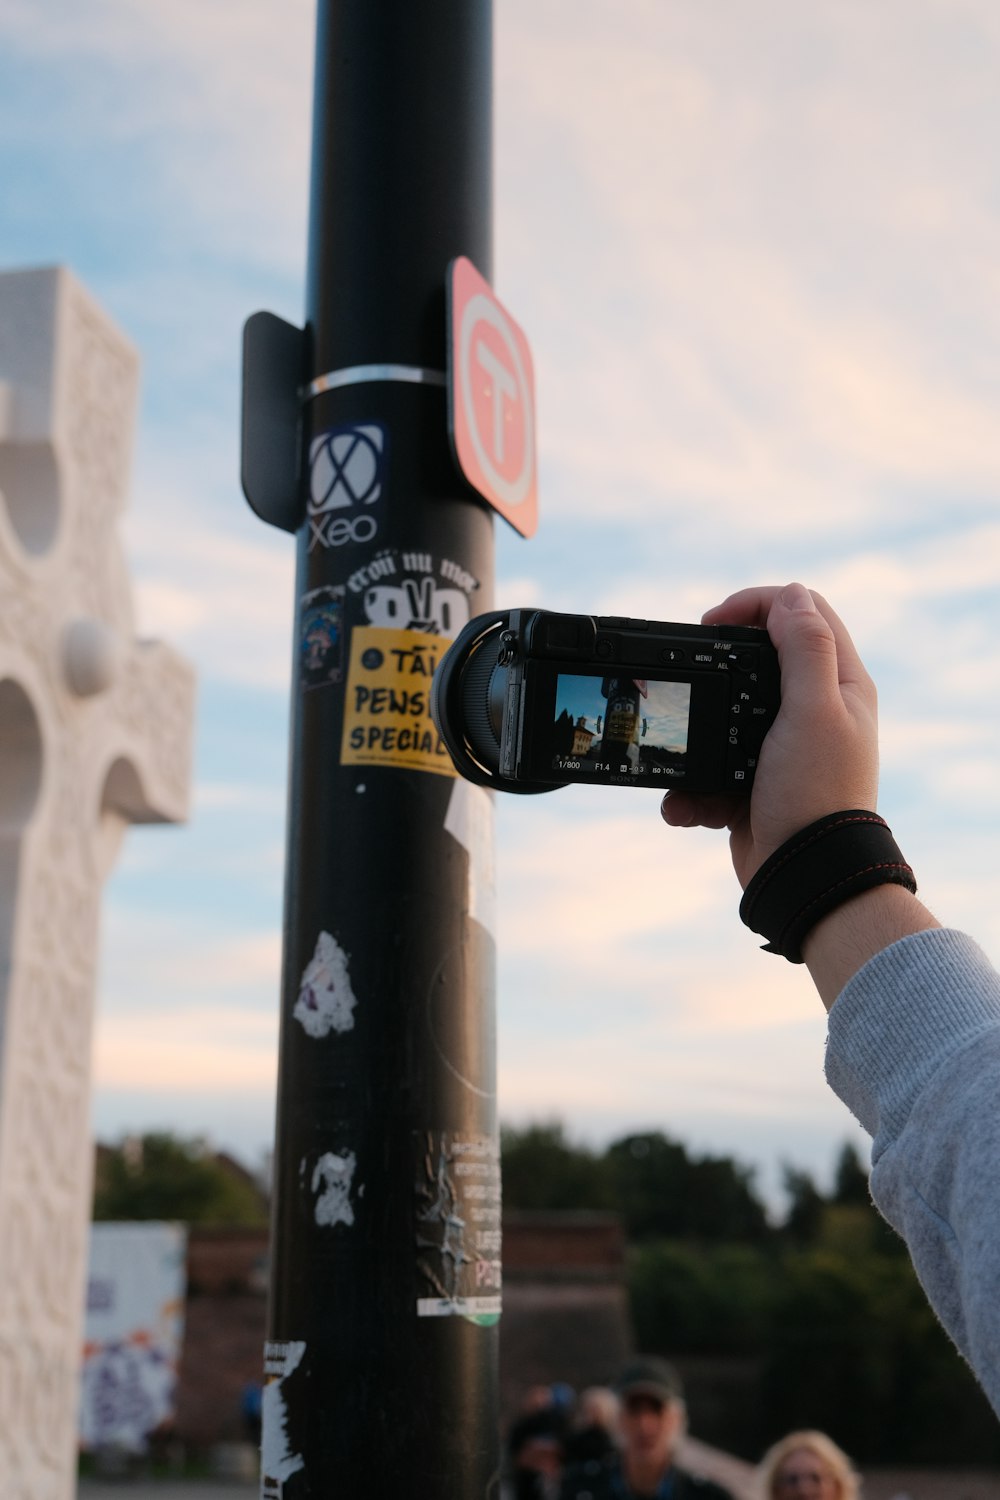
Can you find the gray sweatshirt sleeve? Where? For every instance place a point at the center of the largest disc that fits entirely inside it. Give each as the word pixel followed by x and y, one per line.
pixel 914 1052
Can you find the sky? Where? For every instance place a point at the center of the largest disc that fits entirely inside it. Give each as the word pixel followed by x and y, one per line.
pixel 756 253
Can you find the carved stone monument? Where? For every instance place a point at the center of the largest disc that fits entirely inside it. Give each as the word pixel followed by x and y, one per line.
pixel 95 733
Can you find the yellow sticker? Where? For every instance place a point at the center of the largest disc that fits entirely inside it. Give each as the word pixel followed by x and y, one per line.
pixel 387 713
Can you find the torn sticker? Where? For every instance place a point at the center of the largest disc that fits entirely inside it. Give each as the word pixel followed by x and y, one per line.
pixel 278 1459
pixel 458 1226
pixel 332 1179
pixel 326 1001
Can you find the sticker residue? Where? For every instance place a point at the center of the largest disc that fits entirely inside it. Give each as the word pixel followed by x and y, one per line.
pixel 470 820
pixel 458 1227
pixel 332 1179
pixel 278 1461
pixel 326 1001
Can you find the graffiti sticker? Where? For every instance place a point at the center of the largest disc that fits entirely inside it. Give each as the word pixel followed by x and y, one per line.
pixel 414 591
pixel 321 644
pixel 387 715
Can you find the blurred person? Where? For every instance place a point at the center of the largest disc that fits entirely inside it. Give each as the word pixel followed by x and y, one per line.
pixel 594 1429
pixel 535 1443
pixel 652 1420
pixel 807 1466
pixel 914 1027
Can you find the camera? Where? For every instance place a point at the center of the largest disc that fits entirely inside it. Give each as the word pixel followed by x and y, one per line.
pixel 527 700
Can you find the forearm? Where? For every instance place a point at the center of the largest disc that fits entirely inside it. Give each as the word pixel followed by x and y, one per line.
pixel 914 1052
pixel 844 941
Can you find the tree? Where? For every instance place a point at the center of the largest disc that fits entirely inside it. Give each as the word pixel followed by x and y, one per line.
pixel 661 1191
pixel 162 1176
pixel 850 1180
pixel 805 1206
pixel 543 1170
pixel 854 1348
pixel 701 1299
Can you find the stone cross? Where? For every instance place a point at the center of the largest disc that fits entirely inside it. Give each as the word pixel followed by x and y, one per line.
pixel 95 733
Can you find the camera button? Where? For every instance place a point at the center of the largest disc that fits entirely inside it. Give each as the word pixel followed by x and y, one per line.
pixel 604 648
pixel 671 655
pixel 612 622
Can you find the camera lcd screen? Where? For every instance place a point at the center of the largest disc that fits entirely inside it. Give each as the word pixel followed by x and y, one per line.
pixel 608 728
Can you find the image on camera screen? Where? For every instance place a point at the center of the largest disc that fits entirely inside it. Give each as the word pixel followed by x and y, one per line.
pixel 620 726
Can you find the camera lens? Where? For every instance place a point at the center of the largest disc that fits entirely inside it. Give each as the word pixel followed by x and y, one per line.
pixel 468 691
pixel 483 686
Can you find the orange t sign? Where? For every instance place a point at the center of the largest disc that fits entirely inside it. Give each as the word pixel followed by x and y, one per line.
pixel 491 398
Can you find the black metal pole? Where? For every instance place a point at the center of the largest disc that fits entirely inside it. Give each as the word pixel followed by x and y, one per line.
pixel 380 1369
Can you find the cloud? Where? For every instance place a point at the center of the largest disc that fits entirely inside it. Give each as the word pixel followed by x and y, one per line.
pixel 154 962
pixel 652 1072
pixel 218 97
pixel 187 1050
pixel 222 594
pixel 606 878
pixel 757 255
pixel 778 313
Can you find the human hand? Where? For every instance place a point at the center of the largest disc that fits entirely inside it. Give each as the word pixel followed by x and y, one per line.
pixel 820 755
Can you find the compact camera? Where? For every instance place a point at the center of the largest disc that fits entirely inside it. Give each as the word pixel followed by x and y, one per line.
pixel 527 700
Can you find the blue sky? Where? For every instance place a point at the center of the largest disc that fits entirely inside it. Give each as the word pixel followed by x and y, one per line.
pixel 756 251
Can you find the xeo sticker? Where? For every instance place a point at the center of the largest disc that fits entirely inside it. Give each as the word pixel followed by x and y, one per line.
pixel 347 477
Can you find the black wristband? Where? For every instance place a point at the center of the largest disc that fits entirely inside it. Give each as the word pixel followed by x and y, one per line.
pixel 815 872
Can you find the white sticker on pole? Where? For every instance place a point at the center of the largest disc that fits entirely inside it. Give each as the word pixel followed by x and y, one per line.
pixel 491 398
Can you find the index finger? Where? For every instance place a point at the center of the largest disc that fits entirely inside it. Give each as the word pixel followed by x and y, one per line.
pixel 746 607
pixel 754 606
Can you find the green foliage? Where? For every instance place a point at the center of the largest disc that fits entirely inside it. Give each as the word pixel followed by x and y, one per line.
pixel 161 1176
pixel 709 1299
pixel 843 1338
pixel 651 1181
pixel 850 1180
pixel 825 1306
pixel 855 1348
pixel 805 1206
pixel 542 1170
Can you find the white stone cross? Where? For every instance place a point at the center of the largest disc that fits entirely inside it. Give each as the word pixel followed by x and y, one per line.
pixel 95 733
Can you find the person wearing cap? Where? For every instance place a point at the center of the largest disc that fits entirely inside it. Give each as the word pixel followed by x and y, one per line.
pixel 652 1421
pixel 913 1045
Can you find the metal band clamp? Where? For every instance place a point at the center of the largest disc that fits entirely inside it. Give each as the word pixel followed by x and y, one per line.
pixel 362 374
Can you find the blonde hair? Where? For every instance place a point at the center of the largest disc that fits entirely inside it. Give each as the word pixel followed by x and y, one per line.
pixel 598 1406
pixel 824 1448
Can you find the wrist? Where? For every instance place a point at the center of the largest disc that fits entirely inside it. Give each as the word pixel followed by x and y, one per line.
pixel 844 940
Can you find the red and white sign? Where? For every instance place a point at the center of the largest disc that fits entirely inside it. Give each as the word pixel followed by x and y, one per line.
pixel 491 398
